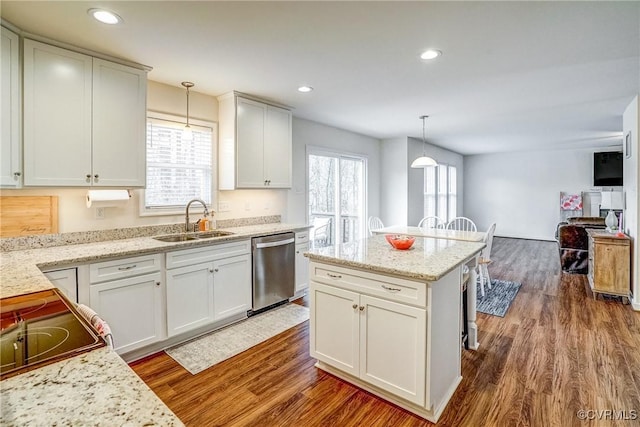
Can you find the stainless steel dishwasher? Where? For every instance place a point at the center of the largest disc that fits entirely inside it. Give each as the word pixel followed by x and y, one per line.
pixel 273 270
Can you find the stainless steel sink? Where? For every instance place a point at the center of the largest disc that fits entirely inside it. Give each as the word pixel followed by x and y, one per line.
pixel 183 237
pixel 176 237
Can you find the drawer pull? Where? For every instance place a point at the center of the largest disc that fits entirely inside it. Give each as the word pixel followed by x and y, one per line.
pixel 127 268
pixel 354 306
pixel 334 276
pixel 362 308
pixel 391 289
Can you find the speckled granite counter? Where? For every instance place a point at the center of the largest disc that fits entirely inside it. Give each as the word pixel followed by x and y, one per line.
pixel 20 270
pixel 428 259
pixel 95 388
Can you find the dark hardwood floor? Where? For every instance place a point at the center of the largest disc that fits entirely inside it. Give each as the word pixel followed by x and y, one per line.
pixel 557 351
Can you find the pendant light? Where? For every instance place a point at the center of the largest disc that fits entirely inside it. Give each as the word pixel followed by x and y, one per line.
pixel 187 134
pixel 423 161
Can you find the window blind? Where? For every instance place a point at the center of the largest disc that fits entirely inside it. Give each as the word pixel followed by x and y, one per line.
pixel 177 170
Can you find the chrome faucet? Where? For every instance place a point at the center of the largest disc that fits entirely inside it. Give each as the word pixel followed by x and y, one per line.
pixel 186 213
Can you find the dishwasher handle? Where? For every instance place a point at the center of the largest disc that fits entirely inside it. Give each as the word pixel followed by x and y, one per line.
pixel 276 243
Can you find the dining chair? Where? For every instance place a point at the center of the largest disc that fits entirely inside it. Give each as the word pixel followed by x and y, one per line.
pixel 431 221
pixel 320 232
pixel 485 259
pixel 461 223
pixel 374 223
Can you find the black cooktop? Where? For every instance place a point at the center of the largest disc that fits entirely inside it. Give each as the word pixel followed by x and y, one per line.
pixel 41 328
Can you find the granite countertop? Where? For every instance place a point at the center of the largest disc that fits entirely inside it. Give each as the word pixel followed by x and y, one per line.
pixel 95 388
pixel 20 270
pixel 428 259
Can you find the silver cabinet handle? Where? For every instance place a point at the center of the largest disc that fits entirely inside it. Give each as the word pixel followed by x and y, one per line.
pixel 362 308
pixel 127 268
pixel 334 276
pixel 391 289
pixel 355 306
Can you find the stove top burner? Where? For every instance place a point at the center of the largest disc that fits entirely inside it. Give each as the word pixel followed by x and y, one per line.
pixel 41 328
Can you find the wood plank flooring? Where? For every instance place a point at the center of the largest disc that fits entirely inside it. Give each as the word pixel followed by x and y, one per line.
pixel 555 352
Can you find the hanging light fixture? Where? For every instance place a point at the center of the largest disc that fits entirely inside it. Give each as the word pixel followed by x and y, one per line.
pixel 187 134
pixel 423 161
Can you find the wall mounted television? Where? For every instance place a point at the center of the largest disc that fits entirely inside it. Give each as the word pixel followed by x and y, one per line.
pixel 607 169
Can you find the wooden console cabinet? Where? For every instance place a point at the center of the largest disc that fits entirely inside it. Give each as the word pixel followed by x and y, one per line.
pixel 609 263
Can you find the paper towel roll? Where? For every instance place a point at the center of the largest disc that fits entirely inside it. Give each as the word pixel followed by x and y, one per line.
pixel 106 198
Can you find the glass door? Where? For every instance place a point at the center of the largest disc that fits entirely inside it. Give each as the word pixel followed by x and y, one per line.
pixel 336 198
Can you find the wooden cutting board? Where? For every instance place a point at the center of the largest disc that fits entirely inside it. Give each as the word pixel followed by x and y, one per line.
pixel 28 215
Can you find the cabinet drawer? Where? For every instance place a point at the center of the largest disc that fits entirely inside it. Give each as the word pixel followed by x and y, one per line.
pixel 389 288
pixel 302 237
pixel 207 253
pixel 121 268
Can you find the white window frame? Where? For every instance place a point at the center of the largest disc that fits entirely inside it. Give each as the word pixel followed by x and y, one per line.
pixel 143 210
pixel 451 192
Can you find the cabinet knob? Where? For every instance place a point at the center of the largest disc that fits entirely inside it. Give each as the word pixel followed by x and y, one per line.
pixel 215 269
pixel 157 283
pixel 88 176
pixel 354 306
pixel 269 182
pixel 211 270
pixel 17 174
pixel 362 308
pixel 96 176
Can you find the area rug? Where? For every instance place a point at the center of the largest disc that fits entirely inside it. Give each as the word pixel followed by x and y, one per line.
pixel 496 301
pixel 201 353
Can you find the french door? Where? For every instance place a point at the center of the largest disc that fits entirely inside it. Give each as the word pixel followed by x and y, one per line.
pixel 337 204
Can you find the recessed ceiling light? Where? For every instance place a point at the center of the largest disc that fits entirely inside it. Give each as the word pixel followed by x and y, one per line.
pixel 430 54
pixel 305 89
pixel 105 16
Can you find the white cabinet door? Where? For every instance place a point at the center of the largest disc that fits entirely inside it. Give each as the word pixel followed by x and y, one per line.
pixel 231 286
pixel 302 267
pixel 57 116
pixel 66 280
pixel 10 156
pixel 250 131
pixel 119 125
pixel 133 309
pixel 189 297
pixel 393 347
pixel 277 148
pixel 334 329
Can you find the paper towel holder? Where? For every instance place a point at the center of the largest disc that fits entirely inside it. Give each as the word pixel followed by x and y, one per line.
pixel 107 198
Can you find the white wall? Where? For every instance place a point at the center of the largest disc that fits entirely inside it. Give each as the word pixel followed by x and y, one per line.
pixel 520 191
pixel 308 133
pixel 74 215
pixel 394 193
pixel 630 123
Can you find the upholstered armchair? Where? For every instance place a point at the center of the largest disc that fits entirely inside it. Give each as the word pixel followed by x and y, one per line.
pixel 573 245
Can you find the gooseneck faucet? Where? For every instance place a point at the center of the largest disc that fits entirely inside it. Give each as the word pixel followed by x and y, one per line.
pixel 186 213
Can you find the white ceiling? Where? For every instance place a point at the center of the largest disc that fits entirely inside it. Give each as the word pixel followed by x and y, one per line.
pixel 513 75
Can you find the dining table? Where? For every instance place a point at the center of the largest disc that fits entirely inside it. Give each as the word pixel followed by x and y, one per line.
pixel 470 302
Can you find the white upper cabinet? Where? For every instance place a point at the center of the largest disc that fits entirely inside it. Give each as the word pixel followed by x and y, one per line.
pixel 10 168
pixel 84 120
pixel 255 144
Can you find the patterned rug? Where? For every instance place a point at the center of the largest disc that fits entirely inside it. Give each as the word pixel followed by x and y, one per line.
pixel 201 353
pixel 496 301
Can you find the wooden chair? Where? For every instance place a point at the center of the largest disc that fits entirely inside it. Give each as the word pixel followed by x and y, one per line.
pixel 485 259
pixel 461 223
pixel 374 223
pixel 432 221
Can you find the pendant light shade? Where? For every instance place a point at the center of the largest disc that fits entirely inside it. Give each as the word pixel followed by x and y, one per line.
pixel 423 161
pixel 187 133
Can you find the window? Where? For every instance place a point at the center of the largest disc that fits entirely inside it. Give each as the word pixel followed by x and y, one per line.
pixel 178 170
pixel 440 192
pixel 336 197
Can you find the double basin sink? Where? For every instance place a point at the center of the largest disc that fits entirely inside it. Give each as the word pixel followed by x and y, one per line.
pixel 183 237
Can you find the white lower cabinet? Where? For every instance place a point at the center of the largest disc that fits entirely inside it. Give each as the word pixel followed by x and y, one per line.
pixel 133 308
pixel 66 280
pixel 379 341
pixel 302 267
pixel 210 285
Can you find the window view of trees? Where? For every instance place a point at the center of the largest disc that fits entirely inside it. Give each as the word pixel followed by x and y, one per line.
pixel 440 194
pixel 336 198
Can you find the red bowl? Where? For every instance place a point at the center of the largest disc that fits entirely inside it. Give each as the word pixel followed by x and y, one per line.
pixel 399 241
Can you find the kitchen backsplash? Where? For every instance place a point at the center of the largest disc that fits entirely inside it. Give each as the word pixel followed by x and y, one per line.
pixel 47 240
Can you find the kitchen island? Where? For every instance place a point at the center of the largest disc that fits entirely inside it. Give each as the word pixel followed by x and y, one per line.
pixel 390 321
